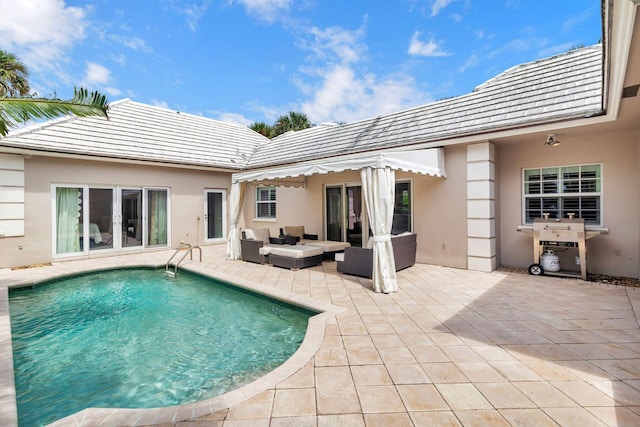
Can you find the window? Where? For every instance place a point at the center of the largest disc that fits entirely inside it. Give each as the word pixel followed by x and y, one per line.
pixel 559 191
pixel 266 202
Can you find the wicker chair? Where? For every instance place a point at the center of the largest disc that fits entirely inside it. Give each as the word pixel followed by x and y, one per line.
pixel 298 232
pixel 359 261
pixel 250 250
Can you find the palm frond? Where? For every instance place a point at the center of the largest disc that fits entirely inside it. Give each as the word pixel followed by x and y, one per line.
pixel 14 111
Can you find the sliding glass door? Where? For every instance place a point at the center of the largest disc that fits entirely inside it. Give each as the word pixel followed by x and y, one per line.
pixel 101 229
pixel 91 219
pixel 346 217
pixel 334 215
pixel 355 216
pixel 131 218
pixel 68 221
pixel 157 219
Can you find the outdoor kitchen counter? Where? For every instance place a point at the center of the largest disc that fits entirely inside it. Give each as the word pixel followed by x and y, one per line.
pixel 590 232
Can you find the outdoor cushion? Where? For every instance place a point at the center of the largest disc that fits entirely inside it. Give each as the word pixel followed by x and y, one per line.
pixel 259 234
pixel 294 230
pixel 328 246
pixel 265 250
pixel 340 257
pixel 297 251
pixel 404 233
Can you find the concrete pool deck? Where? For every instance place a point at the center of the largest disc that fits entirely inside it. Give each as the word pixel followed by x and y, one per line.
pixel 452 347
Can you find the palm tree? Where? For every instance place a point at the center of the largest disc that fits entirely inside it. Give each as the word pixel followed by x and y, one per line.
pixel 14 111
pixel 262 128
pixel 13 76
pixel 292 121
pixel 16 106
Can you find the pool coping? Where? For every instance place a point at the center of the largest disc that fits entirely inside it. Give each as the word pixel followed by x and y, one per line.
pixel 148 416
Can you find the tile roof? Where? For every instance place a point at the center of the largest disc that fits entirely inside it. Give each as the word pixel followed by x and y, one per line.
pixel 136 131
pixel 557 88
pixel 562 87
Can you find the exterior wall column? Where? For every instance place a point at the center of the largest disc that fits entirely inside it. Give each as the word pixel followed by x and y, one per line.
pixel 481 218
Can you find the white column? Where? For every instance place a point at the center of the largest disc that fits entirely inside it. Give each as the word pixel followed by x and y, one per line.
pixel 481 218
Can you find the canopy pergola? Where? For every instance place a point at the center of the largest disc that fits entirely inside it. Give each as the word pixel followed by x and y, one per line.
pixel 377 171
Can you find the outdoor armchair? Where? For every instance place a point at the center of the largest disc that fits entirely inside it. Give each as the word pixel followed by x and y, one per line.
pixel 250 244
pixel 359 261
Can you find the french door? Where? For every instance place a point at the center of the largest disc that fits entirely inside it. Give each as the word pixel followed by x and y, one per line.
pixel 215 222
pixel 105 219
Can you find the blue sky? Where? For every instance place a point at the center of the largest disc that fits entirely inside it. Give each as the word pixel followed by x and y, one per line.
pixel 254 60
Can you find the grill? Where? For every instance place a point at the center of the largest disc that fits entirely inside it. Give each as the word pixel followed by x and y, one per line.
pixel 560 233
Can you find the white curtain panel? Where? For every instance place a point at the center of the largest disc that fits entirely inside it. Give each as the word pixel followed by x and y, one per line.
pixel 378 188
pixel 236 196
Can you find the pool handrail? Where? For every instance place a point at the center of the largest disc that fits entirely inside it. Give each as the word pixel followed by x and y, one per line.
pixel 188 252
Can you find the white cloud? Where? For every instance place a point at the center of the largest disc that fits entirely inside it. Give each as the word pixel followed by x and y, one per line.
pixel 96 75
pixel 420 48
pixel 471 62
pixel 194 12
pixel 438 5
pixel 120 59
pixel 336 85
pixel 343 96
pixel 336 44
pixel 234 118
pixel 134 43
pixel 266 10
pixel 191 10
pixel 576 20
pixel 112 91
pixel 41 32
pixel 161 104
pixel 519 45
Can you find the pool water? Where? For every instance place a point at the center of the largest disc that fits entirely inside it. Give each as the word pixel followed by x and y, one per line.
pixel 136 338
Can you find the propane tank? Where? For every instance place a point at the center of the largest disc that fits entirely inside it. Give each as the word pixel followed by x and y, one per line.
pixel 550 261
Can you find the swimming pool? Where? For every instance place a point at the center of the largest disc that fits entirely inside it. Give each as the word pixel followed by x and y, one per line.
pixel 135 338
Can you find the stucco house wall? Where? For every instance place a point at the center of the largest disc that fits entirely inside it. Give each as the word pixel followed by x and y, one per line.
pixel 440 213
pixel 616 253
pixel 187 188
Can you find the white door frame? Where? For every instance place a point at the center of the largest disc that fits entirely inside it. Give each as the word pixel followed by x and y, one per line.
pixel 223 192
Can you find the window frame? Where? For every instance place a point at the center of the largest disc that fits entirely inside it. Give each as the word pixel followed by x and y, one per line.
pixel 270 202
pixel 561 183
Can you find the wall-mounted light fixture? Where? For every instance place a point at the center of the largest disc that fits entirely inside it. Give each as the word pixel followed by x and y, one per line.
pixel 552 141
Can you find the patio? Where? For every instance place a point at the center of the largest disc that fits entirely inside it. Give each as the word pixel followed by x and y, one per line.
pixel 452 347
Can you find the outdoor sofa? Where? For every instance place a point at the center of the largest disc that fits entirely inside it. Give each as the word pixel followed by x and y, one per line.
pixel 359 261
pixel 259 247
pixel 293 248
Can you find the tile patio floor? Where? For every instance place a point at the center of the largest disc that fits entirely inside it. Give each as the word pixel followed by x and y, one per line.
pixel 451 348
